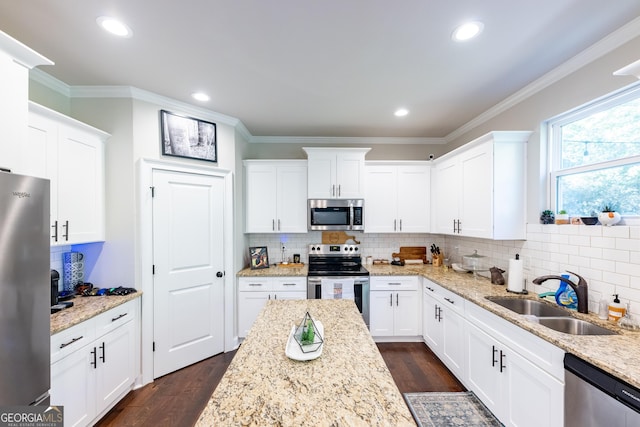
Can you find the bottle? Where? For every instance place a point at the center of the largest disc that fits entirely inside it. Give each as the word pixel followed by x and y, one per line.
pixel 616 309
pixel 565 295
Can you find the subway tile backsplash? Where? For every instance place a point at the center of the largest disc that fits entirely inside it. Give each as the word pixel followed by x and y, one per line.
pixel 607 257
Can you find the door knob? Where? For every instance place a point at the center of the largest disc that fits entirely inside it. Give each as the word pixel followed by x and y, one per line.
pixel 219 274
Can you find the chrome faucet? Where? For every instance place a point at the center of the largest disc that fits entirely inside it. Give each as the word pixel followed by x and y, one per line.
pixel 582 290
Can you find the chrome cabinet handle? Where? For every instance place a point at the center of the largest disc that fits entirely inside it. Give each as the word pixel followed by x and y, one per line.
pixel 394 225
pixel 391 300
pixel 397 300
pixel 333 190
pixel 400 224
pixel 273 225
pixel 339 190
pixel 288 284
pixel 278 224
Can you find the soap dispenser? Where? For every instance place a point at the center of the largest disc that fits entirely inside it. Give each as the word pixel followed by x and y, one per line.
pixel 616 309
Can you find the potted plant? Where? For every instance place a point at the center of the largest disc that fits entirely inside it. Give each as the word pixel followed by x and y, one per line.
pixel 562 217
pixel 608 215
pixel 547 217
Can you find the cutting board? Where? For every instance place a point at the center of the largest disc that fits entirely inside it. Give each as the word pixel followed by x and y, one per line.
pixel 337 238
pixel 412 253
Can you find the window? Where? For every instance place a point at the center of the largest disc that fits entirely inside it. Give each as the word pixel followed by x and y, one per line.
pixel 595 156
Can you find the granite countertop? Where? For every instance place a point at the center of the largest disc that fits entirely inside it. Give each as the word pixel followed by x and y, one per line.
pixel 274 270
pixel 615 354
pixel 84 308
pixel 349 384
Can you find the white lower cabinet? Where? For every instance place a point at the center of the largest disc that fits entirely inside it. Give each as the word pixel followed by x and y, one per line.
pixel 254 292
pixel 395 306
pixel 518 391
pixel 94 364
pixel 444 326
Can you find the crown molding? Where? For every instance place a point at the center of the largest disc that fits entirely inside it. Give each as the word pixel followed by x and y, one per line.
pixel 355 140
pixel 614 40
pixel 21 53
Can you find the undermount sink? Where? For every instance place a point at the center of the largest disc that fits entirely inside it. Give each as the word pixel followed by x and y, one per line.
pixel 573 326
pixel 530 307
pixel 556 318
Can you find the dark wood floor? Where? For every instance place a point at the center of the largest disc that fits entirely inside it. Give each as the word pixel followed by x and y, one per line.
pixel 177 399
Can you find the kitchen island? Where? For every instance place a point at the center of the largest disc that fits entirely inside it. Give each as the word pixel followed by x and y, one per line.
pixel 349 384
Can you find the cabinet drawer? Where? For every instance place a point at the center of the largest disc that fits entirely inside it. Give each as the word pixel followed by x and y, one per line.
pixel 117 316
pixel 254 284
pixel 395 283
pixel 289 284
pixel 66 342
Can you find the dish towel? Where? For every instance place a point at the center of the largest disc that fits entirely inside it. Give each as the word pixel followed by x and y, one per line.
pixel 337 289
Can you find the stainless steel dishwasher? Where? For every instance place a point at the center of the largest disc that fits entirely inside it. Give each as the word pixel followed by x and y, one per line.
pixel 593 397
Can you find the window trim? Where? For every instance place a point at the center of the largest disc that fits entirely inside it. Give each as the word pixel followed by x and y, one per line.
pixel 553 131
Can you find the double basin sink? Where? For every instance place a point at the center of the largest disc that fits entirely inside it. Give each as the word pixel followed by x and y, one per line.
pixel 556 318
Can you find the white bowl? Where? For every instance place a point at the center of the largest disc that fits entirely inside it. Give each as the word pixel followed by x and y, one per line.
pixel 457 267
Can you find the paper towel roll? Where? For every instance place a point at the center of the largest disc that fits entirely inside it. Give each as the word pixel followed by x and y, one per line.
pixel 516 276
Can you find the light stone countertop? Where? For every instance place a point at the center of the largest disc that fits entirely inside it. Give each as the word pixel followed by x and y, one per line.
pixel 84 308
pixel 348 385
pixel 615 354
pixel 274 270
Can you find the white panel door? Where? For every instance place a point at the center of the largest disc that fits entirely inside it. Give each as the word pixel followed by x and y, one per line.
pixel 261 209
pixel 292 199
pixel 446 195
pixel 476 205
pixel 188 261
pixel 413 195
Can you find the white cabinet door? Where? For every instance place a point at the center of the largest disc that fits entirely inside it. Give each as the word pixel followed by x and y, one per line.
pixel 321 172
pixel 71 155
pixel 483 368
pixel 397 198
pixel 249 306
pixel 261 209
pixel 299 295
pixel 432 330
pixel 413 197
pixel 276 196
pixel 476 192
pixel 73 386
pixel 350 175
pixel 80 186
pixel 336 173
pixel 407 319
pixel 381 212
pixel 292 199
pixel 528 388
pixel 453 349
pixel 116 365
pixel 446 197
pixel 381 316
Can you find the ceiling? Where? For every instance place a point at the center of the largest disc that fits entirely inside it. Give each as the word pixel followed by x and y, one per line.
pixel 329 68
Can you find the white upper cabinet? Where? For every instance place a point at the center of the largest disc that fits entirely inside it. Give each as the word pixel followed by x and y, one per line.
pixel 16 60
pixel 276 196
pixel 336 173
pixel 479 189
pixel 397 197
pixel 71 155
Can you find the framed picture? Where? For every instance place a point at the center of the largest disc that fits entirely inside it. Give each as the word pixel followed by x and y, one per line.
pixel 259 257
pixel 188 137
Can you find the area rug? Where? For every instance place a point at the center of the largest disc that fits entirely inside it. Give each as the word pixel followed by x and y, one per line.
pixel 449 409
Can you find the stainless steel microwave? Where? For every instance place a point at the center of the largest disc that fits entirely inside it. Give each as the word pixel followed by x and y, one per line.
pixel 335 214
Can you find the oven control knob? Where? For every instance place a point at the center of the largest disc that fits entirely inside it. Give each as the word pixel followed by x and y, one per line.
pixel 355 249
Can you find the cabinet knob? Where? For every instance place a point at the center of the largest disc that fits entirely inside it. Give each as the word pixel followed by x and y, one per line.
pixel 219 274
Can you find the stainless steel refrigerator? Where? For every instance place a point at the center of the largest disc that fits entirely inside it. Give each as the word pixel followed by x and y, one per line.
pixel 25 294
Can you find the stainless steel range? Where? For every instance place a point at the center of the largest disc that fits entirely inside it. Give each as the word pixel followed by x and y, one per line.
pixel 336 272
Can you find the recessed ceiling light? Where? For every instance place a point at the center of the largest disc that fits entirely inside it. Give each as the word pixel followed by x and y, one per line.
pixel 199 96
pixel 467 31
pixel 114 26
pixel 401 112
